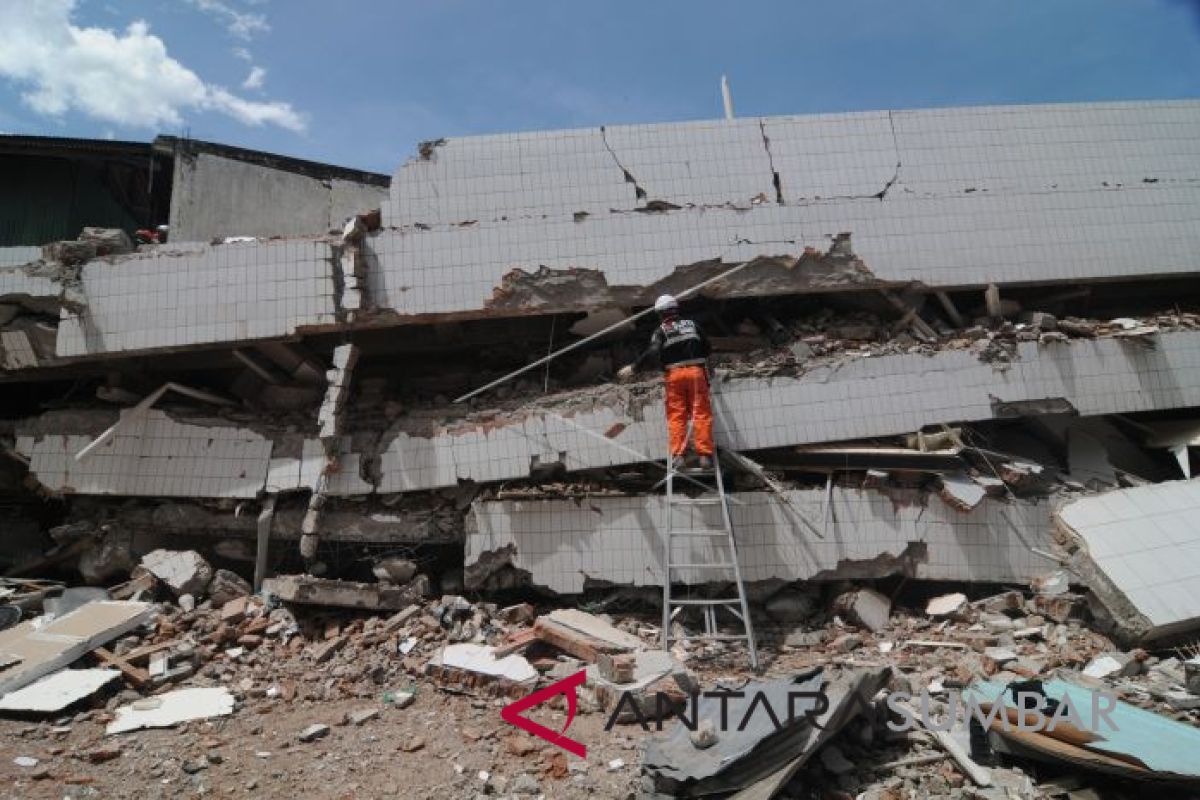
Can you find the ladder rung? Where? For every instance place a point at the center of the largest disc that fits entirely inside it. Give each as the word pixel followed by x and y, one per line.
pixel 695 501
pixel 711 565
pixel 726 602
pixel 700 535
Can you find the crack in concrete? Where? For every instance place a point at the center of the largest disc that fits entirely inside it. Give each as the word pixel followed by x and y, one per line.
pixel 776 181
pixel 639 192
pixel 895 146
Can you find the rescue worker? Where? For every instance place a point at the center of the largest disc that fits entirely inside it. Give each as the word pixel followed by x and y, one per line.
pixel 682 349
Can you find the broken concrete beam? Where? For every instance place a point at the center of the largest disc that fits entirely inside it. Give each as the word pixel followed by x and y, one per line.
pixel 185 572
pixel 892 534
pixel 573 642
pixel 618 667
pixel 865 607
pixel 326 650
pixel 108 241
pixel 1138 551
pixel 613 639
pixel 226 586
pixel 308 590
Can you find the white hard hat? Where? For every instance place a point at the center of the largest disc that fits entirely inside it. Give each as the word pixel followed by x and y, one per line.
pixel 665 303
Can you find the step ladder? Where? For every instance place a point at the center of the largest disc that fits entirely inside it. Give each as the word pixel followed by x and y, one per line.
pixel 723 551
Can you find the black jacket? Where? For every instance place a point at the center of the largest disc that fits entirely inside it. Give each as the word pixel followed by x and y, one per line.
pixel 677 342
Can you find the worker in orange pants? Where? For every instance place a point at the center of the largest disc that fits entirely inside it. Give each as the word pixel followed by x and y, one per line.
pixel 682 349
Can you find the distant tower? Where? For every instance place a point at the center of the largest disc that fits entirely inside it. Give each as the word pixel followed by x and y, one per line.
pixel 727 96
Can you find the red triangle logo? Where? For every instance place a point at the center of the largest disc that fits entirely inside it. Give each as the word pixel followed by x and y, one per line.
pixel 511 713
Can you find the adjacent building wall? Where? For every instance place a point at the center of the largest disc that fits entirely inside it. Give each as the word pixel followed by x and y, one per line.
pixel 217 197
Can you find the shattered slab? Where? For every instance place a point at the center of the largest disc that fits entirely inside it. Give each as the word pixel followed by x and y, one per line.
pixel 59 690
pixel 481 659
pixel 567 544
pixel 170 709
pixel 153 455
pixel 1139 553
pixel 752 753
pixel 47 646
pixel 309 590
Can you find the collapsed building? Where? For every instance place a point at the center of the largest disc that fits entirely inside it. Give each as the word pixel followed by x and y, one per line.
pixel 956 344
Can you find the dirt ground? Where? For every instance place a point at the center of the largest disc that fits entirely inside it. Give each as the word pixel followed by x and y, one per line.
pixel 436 748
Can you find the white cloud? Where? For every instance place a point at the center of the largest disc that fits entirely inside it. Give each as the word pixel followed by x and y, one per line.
pixel 241 24
pixel 126 78
pixel 255 79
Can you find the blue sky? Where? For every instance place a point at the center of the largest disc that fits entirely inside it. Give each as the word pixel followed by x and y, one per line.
pixel 359 84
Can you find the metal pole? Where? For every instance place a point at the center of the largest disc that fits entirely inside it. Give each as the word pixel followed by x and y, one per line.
pixel 598 334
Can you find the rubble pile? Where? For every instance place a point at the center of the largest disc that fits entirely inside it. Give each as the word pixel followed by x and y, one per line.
pixel 258 657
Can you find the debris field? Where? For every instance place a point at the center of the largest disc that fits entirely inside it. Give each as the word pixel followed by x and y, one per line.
pixel 306 513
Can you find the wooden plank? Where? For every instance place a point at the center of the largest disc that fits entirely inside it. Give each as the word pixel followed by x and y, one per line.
pixel 138 677
pixel 516 643
pixel 145 650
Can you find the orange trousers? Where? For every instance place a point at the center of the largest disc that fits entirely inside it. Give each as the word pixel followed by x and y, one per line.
pixel 687 397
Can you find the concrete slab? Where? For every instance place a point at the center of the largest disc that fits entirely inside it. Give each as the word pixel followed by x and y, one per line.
pixel 1139 553
pixel 567 544
pixel 56 692
pixel 481 659
pixel 172 708
pixel 47 647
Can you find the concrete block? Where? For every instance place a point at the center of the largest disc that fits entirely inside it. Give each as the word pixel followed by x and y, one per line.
pixel 185 572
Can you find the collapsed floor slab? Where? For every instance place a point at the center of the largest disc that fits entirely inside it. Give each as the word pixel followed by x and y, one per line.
pixel 1138 550
pixel 606 427
pixel 562 221
pixel 853 399
pixel 568 544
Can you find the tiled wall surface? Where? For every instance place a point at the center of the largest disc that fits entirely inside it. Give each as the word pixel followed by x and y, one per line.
pixel 821 157
pixel 981 195
pixel 1146 540
pixel 973 196
pixel 15 256
pixel 968 240
pixel 565 542
pixel 196 294
pixel 154 456
pixel 856 399
pixel 16 282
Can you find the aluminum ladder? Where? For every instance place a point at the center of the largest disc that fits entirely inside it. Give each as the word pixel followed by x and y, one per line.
pixel 723 563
